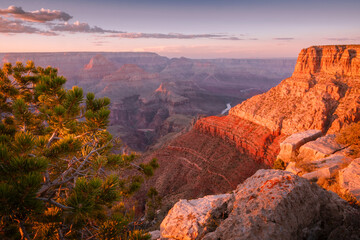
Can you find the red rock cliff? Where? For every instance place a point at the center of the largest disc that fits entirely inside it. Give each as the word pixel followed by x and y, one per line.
pixel 323 93
pixel 331 60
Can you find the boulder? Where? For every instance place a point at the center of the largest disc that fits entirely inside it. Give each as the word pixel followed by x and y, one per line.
pixel 323 172
pixel 155 235
pixel 334 160
pixel 349 179
pixel 271 204
pixel 289 146
pixel 326 167
pixel 320 148
pixel 292 168
pixel 192 219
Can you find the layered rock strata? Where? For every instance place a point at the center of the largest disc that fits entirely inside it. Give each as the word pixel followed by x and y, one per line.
pixel 252 139
pixel 323 94
pixel 196 164
pixel 269 205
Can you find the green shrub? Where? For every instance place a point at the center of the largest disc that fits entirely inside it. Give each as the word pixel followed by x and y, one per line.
pixel 279 164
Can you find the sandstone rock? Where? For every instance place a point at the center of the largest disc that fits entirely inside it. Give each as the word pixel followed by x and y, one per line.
pixel 250 138
pixel 312 98
pixel 326 167
pixel 192 219
pixel 333 60
pixel 194 164
pixel 155 235
pixel 322 172
pixel 349 179
pixel 289 146
pixel 320 148
pixel 321 94
pixel 334 160
pixel 273 205
pixel 292 168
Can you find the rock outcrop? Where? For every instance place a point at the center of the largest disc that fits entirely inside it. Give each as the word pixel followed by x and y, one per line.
pixel 257 141
pixel 329 60
pixel 269 205
pixel 320 148
pixel 191 219
pixel 311 156
pixel 321 94
pixel 194 164
pixel 323 101
pixel 290 146
pixel 349 179
pixel 324 167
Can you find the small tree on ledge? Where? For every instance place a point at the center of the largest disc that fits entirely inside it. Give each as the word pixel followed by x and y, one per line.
pixel 54 161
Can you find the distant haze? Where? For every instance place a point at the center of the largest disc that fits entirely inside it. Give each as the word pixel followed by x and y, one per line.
pixel 195 29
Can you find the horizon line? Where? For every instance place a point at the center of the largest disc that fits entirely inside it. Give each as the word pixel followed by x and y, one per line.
pixel 60 52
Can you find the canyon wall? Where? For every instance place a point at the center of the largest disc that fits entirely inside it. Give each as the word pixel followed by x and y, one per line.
pixel 323 93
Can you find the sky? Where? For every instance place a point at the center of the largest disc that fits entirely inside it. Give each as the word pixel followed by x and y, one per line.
pixel 178 28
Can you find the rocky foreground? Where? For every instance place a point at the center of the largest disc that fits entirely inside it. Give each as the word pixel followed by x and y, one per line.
pixel 272 204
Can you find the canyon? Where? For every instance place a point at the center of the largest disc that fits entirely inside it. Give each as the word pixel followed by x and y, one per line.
pixel 322 94
pixel 175 110
pixel 154 97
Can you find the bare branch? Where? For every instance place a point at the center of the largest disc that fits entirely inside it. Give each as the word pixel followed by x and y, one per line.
pixel 52 201
pixel 138 167
pixel 77 172
pixel 61 234
pixel 45 188
pixel 51 139
pixel 23 232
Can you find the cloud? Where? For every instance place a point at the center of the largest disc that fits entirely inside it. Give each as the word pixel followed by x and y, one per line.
pixel 43 19
pixel 42 15
pixel 131 35
pixel 283 39
pixel 16 26
pixel 341 39
pixel 77 27
pixel 99 43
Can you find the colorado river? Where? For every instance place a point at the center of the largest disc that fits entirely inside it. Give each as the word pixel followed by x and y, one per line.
pixel 228 107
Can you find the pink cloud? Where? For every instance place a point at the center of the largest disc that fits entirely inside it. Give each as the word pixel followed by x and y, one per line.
pixel 42 15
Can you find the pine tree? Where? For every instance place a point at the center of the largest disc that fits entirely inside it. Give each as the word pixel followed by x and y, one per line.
pixel 59 178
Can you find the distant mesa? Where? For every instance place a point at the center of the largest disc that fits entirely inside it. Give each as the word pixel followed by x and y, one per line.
pixel 98 67
pixel 99 62
pixel 131 72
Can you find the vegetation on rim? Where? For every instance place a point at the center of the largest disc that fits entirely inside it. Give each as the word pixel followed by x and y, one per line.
pixel 56 161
